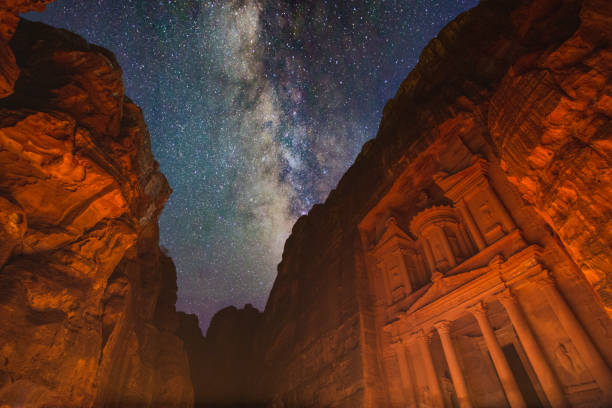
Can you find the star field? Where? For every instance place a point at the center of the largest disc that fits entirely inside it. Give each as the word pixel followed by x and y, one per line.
pixel 255 108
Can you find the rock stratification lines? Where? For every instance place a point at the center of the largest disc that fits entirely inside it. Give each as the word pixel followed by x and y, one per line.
pixel 86 295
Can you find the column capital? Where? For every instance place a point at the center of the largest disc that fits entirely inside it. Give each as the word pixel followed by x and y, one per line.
pixel 443 327
pixel 546 279
pixel 425 335
pixel 506 297
pixel 405 338
pixel 479 310
pixel 435 227
pixel 406 251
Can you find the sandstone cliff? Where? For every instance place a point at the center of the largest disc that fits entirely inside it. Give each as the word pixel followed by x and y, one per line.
pixel 87 297
pixel 223 362
pixel 524 84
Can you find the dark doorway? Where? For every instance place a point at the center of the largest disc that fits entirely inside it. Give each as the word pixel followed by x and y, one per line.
pixel 522 378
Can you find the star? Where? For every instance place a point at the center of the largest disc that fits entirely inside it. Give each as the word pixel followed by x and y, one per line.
pixel 255 108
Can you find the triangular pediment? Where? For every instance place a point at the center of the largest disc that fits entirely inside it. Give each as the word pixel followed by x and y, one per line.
pixel 445 285
pixel 457 185
pixel 393 234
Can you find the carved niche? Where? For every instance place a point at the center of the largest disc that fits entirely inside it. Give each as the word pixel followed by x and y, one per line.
pixel 446 236
pixel 399 262
pixel 485 216
pixel 442 237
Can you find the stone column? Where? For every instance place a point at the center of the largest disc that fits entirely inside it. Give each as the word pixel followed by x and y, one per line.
pixel 581 340
pixel 464 241
pixel 506 220
pixel 445 245
pixel 423 271
pixel 430 371
pixel 471 225
pixel 453 364
pixel 401 264
pixel 428 254
pixel 405 377
pixel 513 393
pixel 382 268
pixel 545 374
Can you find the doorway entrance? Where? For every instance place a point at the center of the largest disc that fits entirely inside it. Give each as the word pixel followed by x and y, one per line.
pixel 522 378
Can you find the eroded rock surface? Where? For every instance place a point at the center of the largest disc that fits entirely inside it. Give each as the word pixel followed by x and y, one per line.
pixel 524 88
pixel 87 297
pixel 550 119
pixel 512 100
pixel 9 19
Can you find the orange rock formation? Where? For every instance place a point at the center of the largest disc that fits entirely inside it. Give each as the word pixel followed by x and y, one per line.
pixel 464 259
pixel 87 298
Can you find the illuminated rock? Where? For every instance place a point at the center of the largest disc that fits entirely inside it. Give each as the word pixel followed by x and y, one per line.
pixel 86 295
pixel 464 258
pixel 9 18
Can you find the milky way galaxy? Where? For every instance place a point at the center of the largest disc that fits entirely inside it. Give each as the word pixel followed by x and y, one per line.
pixel 255 108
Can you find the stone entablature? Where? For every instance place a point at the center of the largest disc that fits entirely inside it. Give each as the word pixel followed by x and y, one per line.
pixel 448 297
pixel 447 239
pixel 496 284
pixel 455 263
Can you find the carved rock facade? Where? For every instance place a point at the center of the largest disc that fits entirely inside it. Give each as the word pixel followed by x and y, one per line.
pixel 87 315
pixel 502 320
pixel 464 258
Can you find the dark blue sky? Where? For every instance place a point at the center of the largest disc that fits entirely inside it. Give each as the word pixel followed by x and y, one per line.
pixel 255 108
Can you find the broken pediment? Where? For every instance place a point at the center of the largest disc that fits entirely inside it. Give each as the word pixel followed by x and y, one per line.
pixel 392 236
pixel 483 212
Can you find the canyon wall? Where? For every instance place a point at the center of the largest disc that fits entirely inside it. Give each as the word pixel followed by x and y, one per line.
pixel 513 94
pixel 523 87
pixel 224 361
pixel 87 315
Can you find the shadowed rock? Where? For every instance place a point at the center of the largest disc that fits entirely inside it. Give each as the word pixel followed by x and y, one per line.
pixel 86 296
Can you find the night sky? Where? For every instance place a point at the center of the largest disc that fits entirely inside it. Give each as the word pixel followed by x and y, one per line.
pixel 255 108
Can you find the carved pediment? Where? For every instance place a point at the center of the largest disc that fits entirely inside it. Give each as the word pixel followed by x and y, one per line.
pixel 459 184
pixel 443 285
pixel 393 235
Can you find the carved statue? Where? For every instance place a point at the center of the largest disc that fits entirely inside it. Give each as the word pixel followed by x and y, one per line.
pixel 569 362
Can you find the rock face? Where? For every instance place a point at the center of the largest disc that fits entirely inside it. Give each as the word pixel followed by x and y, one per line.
pixel 488 186
pixel 463 260
pixel 550 119
pixel 229 344
pixel 9 19
pixel 87 297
